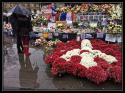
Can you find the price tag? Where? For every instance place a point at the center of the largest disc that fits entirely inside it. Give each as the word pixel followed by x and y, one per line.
pixel 100 35
pixel 65 36
pixel 110 37
pixel 88 36
pixel 119 38
pixel 82 36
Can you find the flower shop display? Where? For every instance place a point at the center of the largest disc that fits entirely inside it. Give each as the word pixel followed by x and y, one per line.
pixel 114 28
pixel 61 25
pixel 88 17
pixel 38 20
pixel 94 7
pixel 39 42
pixel 84 8
pixel 105 7
pixel 92 59
pixel 116 11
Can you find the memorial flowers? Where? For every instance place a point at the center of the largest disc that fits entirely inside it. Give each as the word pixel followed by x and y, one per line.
pixel 89 63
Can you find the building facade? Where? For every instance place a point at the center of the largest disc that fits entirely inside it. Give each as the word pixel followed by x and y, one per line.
pixel 29 5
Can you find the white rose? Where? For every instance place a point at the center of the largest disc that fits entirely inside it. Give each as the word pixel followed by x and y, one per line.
pixel 67 58
pixel 86 48
pixel 86 43
pixel 110 59
pixel 88 62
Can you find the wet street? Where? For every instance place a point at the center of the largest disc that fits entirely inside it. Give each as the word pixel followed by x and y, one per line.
pixel 34 74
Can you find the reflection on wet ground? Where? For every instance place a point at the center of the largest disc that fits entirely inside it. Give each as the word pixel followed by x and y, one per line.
pixel 32 73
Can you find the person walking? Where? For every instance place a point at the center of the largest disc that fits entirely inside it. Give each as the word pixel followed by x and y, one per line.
pixel 24 27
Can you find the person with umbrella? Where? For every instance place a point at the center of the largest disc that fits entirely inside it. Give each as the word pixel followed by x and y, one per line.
pixel 24 26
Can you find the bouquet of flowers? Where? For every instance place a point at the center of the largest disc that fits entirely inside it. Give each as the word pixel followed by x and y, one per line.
pixel 114 28
pixel 52 43
pixel 115 11
pixel 39 20
pixel 84 8
pixel 105 7
pixel 40 42
pixel 95 7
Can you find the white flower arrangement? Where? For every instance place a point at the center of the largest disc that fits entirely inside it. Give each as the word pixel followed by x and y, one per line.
pixel 88 57
pixel 87 61
pixel 110 59
pixel 86 48
pixel 86 43
pixel 70 53
pixel 96 52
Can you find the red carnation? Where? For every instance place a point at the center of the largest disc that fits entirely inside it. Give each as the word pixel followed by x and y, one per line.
pixel 70 68
pixel 75 59
pixel 115 47
pixel 101 62
pixel 81 70
pixel 96 74
pixel 60 44
pixel 109 51
pixel 48 59
pixel 58 66
pixel 72 43
pixel 116 74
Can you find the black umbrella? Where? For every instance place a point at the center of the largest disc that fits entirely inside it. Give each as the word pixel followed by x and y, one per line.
pixel 18 9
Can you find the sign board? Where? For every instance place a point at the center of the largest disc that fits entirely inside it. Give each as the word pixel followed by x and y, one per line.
pixel 110 37
pixel 90 17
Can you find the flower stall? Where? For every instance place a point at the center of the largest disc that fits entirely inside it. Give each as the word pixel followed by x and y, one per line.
pixel 75 40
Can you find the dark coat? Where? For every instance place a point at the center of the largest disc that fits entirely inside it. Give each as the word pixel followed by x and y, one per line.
pixel 24 26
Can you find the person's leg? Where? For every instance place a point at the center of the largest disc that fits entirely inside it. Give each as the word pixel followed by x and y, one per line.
pixel 27 48
pixel 26 45
pixel 19 44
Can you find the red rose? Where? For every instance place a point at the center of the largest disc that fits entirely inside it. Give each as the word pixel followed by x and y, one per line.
pixel 116 74
pixel 81 70
pixel 48 59
pixel 70 68
pixel 109 51
pixel 101 62
pixel 96 74
pixel 60 44
pixel 58 66
pixel 75 59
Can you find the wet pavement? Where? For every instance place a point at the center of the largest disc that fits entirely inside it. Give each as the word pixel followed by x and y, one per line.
pixel 33 73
